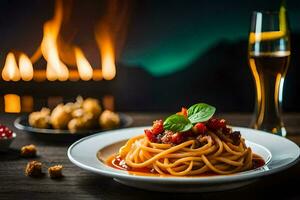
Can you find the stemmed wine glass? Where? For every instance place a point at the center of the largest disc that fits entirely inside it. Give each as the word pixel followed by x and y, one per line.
pixel 269 55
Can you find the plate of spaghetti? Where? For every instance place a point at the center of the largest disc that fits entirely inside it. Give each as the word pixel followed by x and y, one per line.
pixel 190 151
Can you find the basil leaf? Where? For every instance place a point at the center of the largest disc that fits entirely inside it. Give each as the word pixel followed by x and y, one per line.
pixel 200 112
pixel 177 123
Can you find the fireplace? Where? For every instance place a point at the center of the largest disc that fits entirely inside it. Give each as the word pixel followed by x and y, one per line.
pixel 65 60
pixel 59 65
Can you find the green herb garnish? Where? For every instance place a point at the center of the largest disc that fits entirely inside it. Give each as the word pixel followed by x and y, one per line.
pixel 177 123
pixel 200 112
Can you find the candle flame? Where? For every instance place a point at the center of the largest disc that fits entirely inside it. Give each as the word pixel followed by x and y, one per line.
pixel 10 70
pixel 25 66
pixel 84 68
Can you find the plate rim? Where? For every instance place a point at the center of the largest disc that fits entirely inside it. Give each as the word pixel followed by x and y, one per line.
pixel 252 174
pixel 30 129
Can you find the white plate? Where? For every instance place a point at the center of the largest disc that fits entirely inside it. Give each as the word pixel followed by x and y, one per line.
pixel 278 152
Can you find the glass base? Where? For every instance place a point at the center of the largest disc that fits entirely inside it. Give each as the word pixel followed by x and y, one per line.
pixel 277 130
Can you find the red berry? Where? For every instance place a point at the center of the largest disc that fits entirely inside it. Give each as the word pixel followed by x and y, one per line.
pixel 158 127
pixel 200 128
pixel 9 134
pixel 5 132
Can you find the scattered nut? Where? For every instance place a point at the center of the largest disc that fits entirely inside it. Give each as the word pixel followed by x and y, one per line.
pixel 28 151
pixel 34 169
pixel 55 171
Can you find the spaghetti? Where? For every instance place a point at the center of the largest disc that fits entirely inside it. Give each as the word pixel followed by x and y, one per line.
pixel 209 147
pixel 215 156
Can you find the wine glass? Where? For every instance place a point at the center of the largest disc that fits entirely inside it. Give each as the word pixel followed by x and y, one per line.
pixel 269 55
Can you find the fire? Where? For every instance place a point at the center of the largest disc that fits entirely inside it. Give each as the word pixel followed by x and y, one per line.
pixel 58 53
pixel 107 56
pixel 56 69
pixel 50 73
pixel 110 34
pixel 25 66
pixel 10 70
pixel 84 68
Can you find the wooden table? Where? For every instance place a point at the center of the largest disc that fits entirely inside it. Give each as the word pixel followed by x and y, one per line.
pixel 80 184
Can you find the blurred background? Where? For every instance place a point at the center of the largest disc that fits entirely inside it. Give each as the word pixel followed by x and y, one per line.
pixel 147 55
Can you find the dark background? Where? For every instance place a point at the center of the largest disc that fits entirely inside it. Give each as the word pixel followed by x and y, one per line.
pixel 176 53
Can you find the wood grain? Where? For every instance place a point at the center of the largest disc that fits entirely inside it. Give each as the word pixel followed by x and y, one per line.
pixel 80 184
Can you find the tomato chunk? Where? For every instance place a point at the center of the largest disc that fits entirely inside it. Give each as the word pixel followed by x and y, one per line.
pixel 158 127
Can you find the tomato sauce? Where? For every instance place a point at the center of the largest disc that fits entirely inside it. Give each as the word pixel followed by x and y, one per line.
pixel 257 161
pixel 118 163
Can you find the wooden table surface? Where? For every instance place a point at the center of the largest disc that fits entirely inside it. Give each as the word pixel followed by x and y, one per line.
pixel 80 184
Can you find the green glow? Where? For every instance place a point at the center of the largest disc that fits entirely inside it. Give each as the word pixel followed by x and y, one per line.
pixel 177 51
pixel 181 43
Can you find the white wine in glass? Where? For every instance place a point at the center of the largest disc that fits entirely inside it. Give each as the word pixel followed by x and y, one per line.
pixel 268 56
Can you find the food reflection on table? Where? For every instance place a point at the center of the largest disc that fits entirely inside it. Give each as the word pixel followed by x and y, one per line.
pixel 83 114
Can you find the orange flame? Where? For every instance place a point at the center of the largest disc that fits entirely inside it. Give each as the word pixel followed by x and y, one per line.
pixel 84 68
pixel 10 70
pixel 109 34
pixel 25 66
pixel 56 69
pixel 107 55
